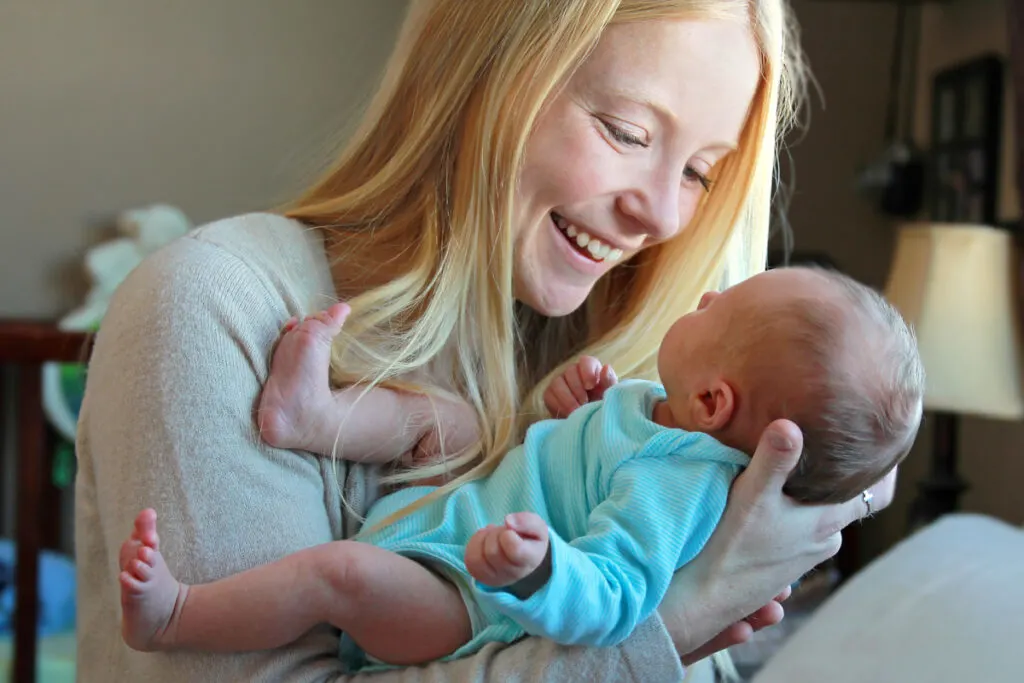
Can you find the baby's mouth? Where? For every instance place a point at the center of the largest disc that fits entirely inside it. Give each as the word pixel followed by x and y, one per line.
pixel 584 243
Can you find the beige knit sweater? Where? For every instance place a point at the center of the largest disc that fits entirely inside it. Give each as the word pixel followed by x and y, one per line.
pixel 167 422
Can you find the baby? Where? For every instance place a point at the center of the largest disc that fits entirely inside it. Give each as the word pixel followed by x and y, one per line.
pixel 577 532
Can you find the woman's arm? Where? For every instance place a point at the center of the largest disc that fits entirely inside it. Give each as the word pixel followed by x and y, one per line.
pixel 168 422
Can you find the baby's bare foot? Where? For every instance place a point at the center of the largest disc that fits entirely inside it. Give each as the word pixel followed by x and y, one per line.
pixel 150 596
pixel 297 393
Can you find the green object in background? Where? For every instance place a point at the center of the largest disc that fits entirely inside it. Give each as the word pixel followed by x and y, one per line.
pixel 64 465
pixel 63 390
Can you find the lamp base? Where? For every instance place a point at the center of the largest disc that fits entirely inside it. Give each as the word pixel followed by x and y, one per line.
pixel 940 492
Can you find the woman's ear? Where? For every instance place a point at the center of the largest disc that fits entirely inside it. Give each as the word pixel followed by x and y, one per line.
pixel 716 406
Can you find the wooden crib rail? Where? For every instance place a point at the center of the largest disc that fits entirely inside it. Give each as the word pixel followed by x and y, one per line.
pixel 27 345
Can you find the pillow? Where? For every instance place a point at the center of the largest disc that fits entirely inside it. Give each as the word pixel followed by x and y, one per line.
pixel 944 605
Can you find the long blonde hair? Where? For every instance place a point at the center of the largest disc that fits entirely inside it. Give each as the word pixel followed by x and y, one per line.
pixel 418 210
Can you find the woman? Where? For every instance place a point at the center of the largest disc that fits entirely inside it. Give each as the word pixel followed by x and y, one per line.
pixel 509 138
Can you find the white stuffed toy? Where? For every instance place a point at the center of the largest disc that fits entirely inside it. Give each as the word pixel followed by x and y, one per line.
pixel 142 231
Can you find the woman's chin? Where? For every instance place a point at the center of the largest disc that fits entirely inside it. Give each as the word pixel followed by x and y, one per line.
pixel 554 302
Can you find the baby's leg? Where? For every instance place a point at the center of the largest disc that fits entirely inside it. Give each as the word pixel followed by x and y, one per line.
pixel 395 609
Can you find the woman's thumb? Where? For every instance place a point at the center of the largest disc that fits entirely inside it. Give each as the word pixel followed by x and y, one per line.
pixel 779 450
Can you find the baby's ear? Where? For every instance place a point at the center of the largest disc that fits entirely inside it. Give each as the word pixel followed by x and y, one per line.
pixel 717 405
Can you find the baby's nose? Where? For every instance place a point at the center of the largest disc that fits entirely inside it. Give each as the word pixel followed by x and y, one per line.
pixel 706 300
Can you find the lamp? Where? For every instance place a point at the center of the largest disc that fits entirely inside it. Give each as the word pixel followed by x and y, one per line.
pixel 955 284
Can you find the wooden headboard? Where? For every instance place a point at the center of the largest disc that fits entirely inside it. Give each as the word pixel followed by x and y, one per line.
pixel 26 346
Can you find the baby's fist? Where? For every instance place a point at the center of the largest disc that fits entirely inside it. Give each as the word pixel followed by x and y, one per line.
pixel 580 384
pixel 501 555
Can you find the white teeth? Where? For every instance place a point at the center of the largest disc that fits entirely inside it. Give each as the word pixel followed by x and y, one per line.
pixel 598 249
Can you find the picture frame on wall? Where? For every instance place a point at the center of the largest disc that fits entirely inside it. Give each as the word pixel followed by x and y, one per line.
pixel 967 123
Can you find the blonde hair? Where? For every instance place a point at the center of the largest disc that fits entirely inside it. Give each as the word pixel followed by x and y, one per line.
pixel 418 210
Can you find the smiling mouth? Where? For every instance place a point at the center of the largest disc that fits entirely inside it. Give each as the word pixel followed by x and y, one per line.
pixel 584 243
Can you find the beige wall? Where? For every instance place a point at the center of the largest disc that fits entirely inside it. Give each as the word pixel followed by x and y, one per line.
pixel 214 106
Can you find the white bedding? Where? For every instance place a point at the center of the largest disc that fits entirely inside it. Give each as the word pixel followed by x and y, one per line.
pixel 946 605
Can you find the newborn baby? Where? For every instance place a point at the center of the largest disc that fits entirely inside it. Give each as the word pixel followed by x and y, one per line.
pixel 575 535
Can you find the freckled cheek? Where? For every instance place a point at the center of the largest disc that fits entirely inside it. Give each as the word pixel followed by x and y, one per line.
pixel 571 169
pixel 689 202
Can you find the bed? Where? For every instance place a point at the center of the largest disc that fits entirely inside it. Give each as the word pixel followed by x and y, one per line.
pixel 24 347
pixel 945 605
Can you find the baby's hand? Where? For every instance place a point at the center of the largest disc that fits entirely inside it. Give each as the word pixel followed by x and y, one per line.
pixel 581 383
pixel 501 555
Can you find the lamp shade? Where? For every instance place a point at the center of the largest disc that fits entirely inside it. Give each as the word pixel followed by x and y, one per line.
pixel 955 284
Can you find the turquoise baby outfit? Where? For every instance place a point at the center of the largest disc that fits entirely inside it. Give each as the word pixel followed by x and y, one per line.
pixel 627 503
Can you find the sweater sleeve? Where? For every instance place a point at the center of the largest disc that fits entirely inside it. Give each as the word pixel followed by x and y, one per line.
pixel 658 515
pixel 168 422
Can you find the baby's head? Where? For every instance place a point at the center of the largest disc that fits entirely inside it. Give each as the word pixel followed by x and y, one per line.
pixel 809 345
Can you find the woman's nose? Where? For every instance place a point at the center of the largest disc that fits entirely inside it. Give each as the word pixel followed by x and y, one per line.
pixel 655 206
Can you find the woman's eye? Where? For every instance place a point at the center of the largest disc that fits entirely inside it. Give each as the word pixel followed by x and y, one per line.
pixel 624 136
pixel 692 175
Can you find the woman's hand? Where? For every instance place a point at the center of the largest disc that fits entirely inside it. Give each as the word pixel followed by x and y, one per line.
pixel 763 543
pixel 740 632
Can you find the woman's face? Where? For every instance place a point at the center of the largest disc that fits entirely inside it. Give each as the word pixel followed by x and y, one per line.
pixel 619 160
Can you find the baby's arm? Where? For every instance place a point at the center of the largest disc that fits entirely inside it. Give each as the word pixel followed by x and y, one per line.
pixel 581 383
pixel 394 608
pixel 658 516
pixel 299 411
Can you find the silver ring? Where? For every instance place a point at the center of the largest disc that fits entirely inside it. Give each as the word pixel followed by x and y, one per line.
pixel 867 497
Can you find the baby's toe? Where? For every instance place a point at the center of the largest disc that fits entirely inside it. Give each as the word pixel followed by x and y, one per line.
pixel 140 570
pixel 147 555
pixel 129 584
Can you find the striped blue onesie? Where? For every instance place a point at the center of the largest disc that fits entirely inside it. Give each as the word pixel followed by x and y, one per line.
pixel 626 500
